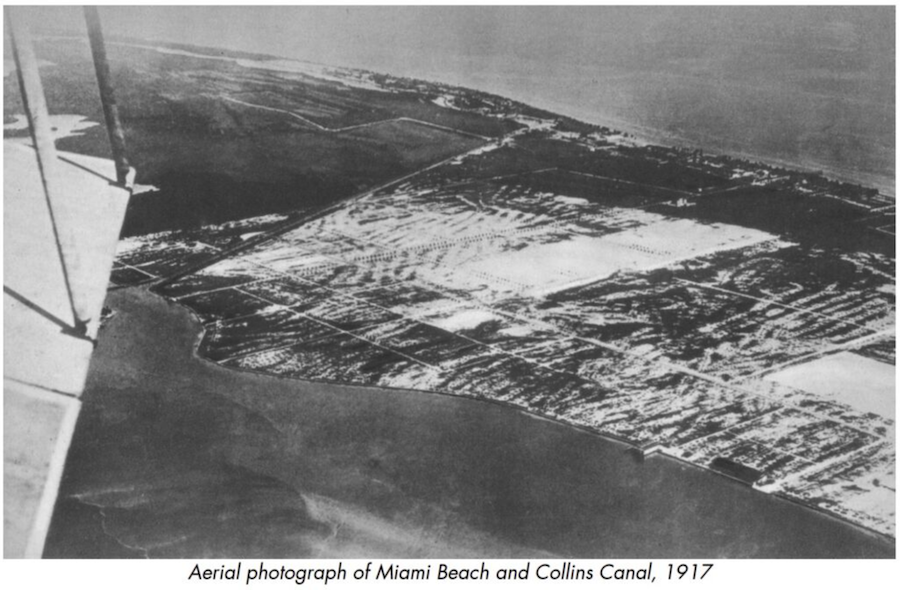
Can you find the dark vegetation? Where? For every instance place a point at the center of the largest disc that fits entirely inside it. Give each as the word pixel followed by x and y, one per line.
pixel 612 193
pixel 630 164
pixel 659 175
pixel 782 210
pixel 883 351
pixel 740 472
pixel 215 160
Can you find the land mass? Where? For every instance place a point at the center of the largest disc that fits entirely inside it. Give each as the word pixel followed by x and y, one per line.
pixel 343 226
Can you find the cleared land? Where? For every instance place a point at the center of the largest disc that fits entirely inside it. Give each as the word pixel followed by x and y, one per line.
pixel 859 382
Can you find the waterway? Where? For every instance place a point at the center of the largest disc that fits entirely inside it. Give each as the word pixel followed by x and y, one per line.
pixel 174 456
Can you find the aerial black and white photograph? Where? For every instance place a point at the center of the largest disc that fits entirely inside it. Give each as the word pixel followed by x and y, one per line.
pixel 487 282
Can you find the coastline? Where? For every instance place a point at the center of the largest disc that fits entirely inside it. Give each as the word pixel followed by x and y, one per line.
pixel 883 183
pixel 490 532
pixel 630 446
pixel 482 82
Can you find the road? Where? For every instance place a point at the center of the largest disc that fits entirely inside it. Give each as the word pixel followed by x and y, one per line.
pixel 355 127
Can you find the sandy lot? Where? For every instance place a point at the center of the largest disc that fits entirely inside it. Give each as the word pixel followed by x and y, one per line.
pixel 543 268
pixel 862 383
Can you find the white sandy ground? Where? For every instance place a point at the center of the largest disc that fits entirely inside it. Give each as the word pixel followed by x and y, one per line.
pixel 550 267
pixel 143 188
pixel 465 319
pixel 478 151
pixel 630 141
pixel 572 201
pixel 445 101
pixel 151 241
pixel 165 239
pixel 517 331
pixel 872 506
pixel 862 383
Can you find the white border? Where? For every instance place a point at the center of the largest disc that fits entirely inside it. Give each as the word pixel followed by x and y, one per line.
pixel 731 574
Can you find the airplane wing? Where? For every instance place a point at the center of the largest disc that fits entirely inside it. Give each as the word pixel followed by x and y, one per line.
pixel 62 217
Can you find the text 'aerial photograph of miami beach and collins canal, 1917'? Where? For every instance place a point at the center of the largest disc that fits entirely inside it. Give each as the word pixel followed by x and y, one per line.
pixel 449 282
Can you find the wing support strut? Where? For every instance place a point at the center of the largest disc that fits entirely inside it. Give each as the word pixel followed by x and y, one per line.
pixel 45 148
pixel 107 95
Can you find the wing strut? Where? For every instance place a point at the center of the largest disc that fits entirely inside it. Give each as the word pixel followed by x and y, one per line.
pixel 45 147
pixel 62 214
pixel 107 96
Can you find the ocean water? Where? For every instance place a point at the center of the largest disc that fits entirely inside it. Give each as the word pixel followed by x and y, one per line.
pixel 846 137
pixel 810 87
pixel 807 88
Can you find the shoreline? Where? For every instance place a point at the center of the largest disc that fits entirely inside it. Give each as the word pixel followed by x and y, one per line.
pixel 660 138
pixel 443 474
pixel 652 136
pixel 605 436
pixel 646 134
